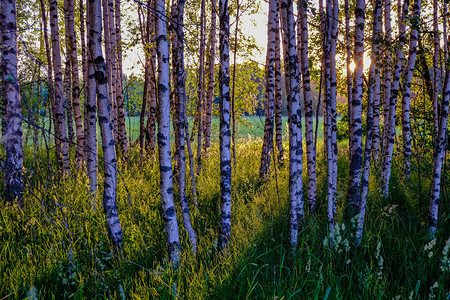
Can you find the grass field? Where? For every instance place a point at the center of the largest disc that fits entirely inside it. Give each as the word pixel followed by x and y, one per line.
pixel 246 127
pixel 57 246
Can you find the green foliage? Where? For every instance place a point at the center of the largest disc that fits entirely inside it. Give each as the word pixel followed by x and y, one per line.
pixel 59 218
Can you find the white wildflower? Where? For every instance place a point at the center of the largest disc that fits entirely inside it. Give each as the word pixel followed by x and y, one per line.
pixel 430 255
pixel 431 295
pixel 308 265
pixel 430 245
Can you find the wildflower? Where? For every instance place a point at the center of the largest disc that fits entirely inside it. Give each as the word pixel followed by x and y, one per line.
pixel 445 260
pixel 411 295
pixel 430 255
pixel 431 295
pixel 308 265
pixel 430 245
pixel 348 261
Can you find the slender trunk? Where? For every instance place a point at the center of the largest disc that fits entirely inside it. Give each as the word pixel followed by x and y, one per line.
pixel 225 134
pixel 436 73
pixel 191 164
pixel 111 48
pixel 376 54
pixel 270 87
pixel 390 137
pixel 73 55
pixel 278 93
pixel 180 116
pixel 439 156
pixel 110 162
pixel 152 98
pixel 60 118
pixel 145 33
pixel 165 160
pixel 296 206
pixel 233 111
pixel 387 73
pixel 67 82
pixel 406 128
pixel 51 90
pixel 349 72
pixel 209 99
pixel 356 122
pixel 200 88
pixel 309 127
pixel 90 104
pixel 13 117
pixel 373 85
pixel 121 128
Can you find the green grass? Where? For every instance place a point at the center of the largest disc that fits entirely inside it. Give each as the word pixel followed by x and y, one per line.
pixel 246 127
pixel 58 218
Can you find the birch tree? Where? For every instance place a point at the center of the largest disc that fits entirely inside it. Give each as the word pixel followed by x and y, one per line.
pixel 373 91
pixel 406 125
pixel 356 114
pixel 121 128
pixel 109 156
pixel 200 87
pixel 210 95
pixel 73 55
pixel 278 92
pixel 180 116
pixel 390 131
pixel 13 118
pixel 60 117
pixel 165 160
pixel 270 87
pixel 309 135
pixel 225 133
pixel 296 205
pixel 90 103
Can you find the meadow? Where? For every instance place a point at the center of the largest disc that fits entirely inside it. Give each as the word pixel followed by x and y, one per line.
pixel 57 245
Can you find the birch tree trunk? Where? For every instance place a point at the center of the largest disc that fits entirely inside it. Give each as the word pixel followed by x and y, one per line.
pixel 278 92
pixel 180 116
pixel 111 49
pixel 270 87
pixel 210 96
pixel 13 117
pixel 406 128
pixel 373 88
pixel 439 156
pixel 152 98
pixel 387 73
pixel 60 117
pixel 356 121
pixel 233 97
pixel 390 137
pixel 376 51
pixel 121 128
pixel 436 73
pixel 165 160
pixel 296 205
pixel 309 134
pixel 349 72
pixel 51 89
pixel 200 88
pixel 73 55
pixel 110 162
pixel 90 103
pixel 225 133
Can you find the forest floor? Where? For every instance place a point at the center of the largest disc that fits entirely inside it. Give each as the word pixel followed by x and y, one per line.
pixel 57 245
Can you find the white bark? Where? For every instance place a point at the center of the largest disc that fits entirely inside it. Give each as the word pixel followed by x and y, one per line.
pixel 225 133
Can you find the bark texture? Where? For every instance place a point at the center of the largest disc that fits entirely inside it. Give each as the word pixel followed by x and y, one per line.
pixel 270 87
pixel 13 118
pixel 225 133
pixel 110 162
pixel 165 159
pixel 60 117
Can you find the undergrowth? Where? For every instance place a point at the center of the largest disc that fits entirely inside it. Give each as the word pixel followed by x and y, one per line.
pixel 57 245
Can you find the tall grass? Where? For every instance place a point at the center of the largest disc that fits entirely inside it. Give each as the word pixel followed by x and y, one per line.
pixel 57 246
